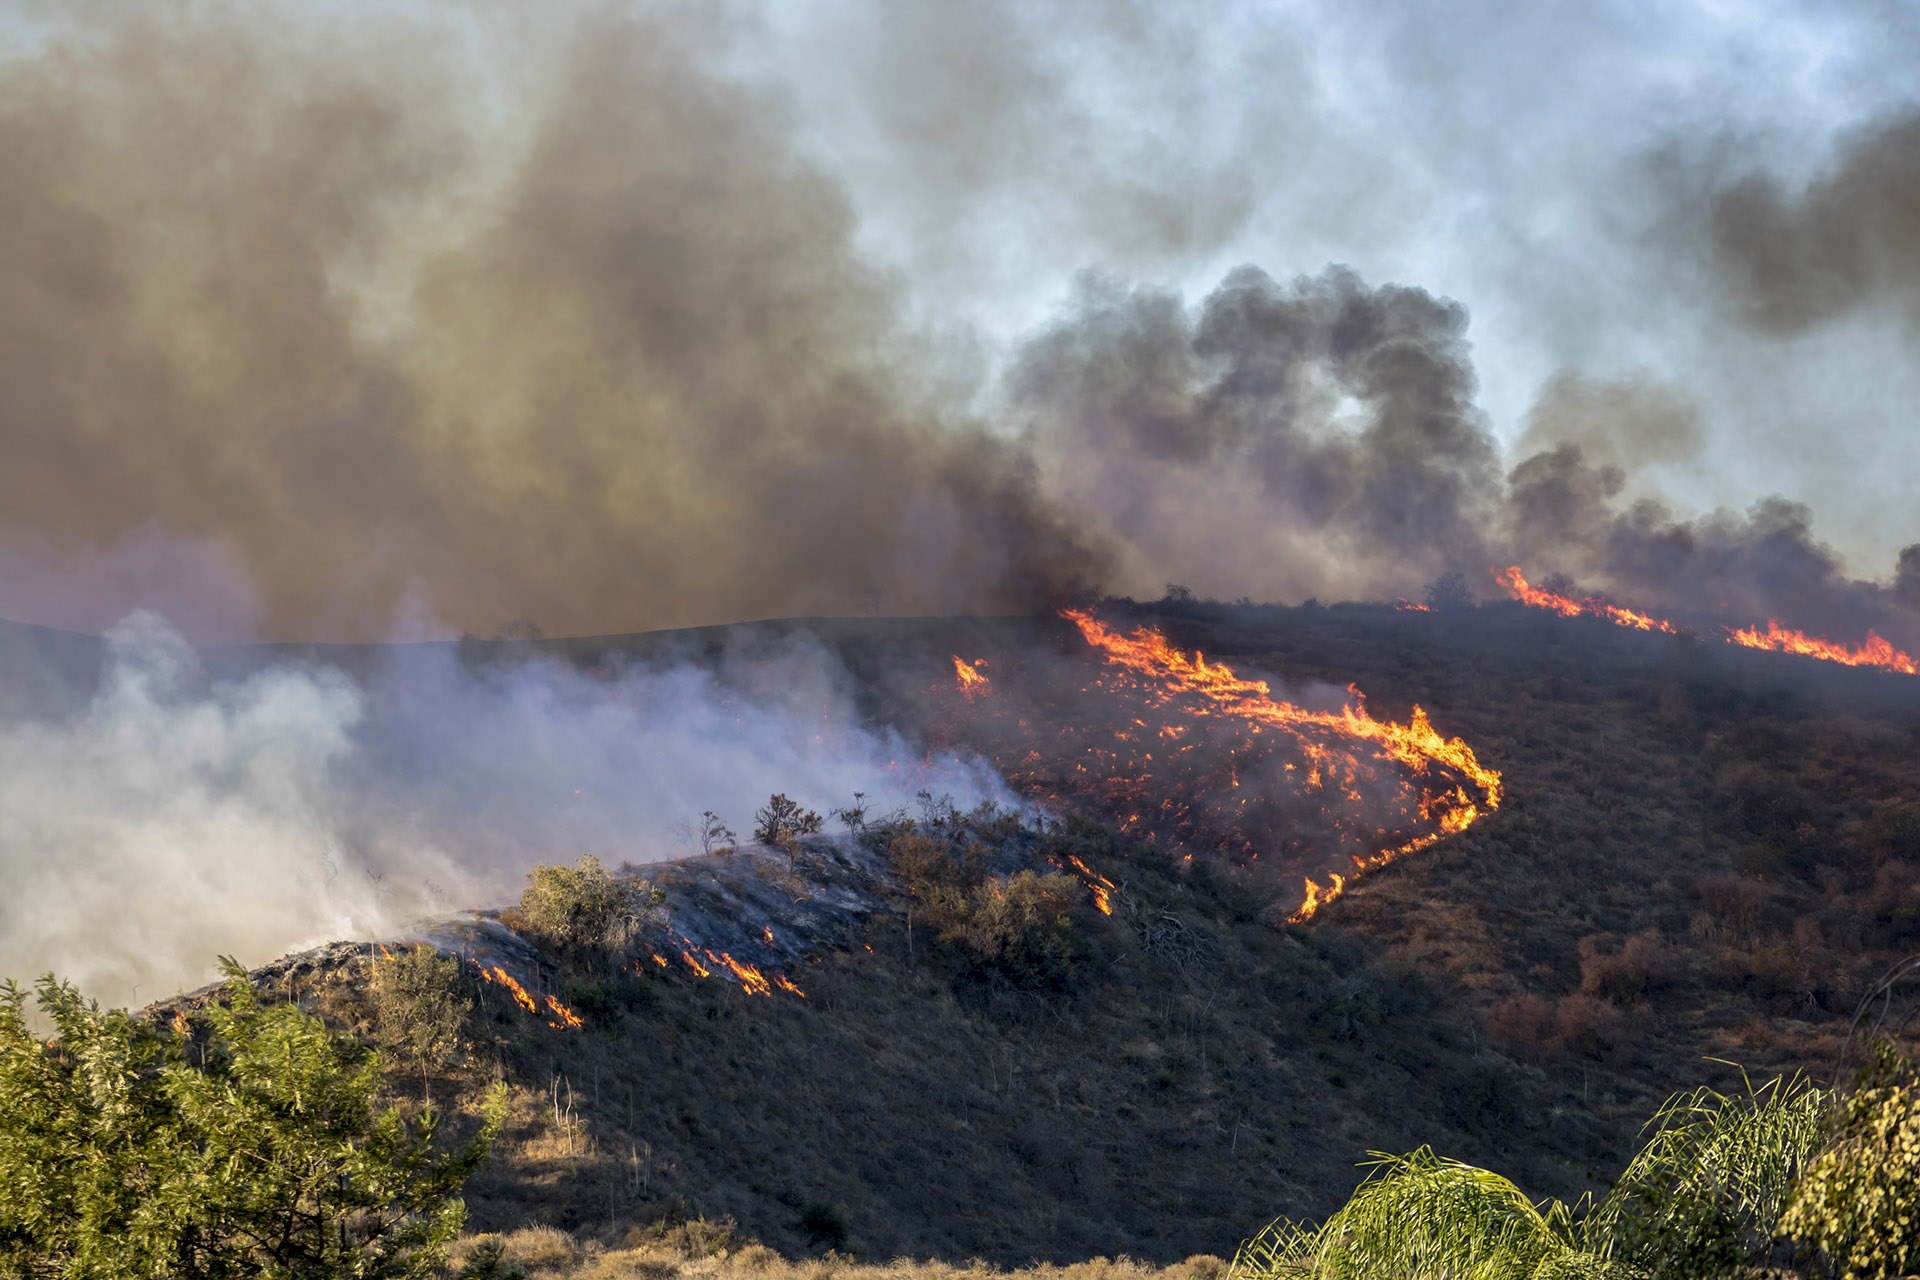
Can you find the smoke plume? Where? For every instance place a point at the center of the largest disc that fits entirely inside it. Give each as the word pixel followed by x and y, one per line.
pixel 593 347
pixel 168 814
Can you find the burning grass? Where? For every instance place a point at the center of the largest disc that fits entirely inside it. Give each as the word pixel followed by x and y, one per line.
pixel 1188 754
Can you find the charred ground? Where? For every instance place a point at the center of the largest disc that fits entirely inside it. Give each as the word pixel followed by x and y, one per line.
pixel 1704 855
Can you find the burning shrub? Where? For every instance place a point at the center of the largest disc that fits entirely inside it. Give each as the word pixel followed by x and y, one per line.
pixel 585 908
pixel 1641 964
pixel 421 1003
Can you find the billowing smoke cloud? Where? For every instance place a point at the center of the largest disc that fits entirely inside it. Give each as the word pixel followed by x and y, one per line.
pixel 1286 439
pixel 1321 437
pixel 1789 259
pixel 588 344
pixel 169 815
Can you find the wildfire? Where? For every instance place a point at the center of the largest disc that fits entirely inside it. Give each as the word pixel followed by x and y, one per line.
pixel 1567 606
pixel 501 977
pixel 563 1018
pixel 1444 771
pixel 1875 652
pixel 1404 603
pixel 780 981
pixel 695 965
pixel 1099 885
pixel 973 682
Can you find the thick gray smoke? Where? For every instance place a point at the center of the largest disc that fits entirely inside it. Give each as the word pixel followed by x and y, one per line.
pixel 1320 438
pixel 168 815
pixel 586 341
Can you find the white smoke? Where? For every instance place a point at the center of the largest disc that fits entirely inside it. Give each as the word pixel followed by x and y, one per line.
pixel 173 816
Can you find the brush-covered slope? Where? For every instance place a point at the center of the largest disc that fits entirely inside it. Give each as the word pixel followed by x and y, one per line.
pixel 1702 854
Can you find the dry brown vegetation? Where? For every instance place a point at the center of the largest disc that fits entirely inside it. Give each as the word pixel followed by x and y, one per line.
pixel 1705 857
pixel 702 1250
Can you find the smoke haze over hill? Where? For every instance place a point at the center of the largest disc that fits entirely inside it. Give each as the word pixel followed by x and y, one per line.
pixel 335 325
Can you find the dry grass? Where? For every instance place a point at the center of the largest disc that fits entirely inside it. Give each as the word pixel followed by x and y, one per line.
pixel 1695 862
pixel 548 1254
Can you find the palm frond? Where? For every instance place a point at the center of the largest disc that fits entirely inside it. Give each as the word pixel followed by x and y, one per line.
pixel 1421 1217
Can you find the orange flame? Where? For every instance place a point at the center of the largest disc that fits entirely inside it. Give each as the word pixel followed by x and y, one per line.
pixel 658 959
pixel 1875 652
pixel 1520 589
pixel 1101 886
pixel 1415 745
pixel 1404 603
pixel 563 1017
pixel 780 981
pixel 501 977
pixel 695 965
pixel 973 682
pixel 752 981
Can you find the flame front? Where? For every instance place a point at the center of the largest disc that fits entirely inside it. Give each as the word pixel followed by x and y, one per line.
pixel 501 977
pixel 1444 772
pixel 1568 606
pixel 1874 652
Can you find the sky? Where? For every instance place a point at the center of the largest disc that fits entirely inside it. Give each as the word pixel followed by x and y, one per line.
pixel 351 321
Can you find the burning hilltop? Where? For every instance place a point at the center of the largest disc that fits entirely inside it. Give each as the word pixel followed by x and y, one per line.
pixel 1874 651
pixel 1192 756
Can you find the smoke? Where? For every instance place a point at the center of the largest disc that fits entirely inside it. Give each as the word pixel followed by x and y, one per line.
pixel 590 345
pixel 1284 439
pixel 1788 259
pixel 171 815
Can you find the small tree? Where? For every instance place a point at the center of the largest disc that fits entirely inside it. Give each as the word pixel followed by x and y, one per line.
pixel 715 836
pixel 1859 1202
pixel 121 1157
pixel 421 1003
pixel 585 908
pixel 782 823
pixel 1450 591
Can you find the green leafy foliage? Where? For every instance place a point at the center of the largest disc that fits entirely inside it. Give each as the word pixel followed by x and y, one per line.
pixel 585 908
pixel 1701 1198
pixel 262 1154
pixel 421 1003
pixel 1859 1204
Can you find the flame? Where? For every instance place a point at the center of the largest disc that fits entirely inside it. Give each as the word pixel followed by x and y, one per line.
pixel 695 965
pixel 1520 589
pixel 973 682
pixel 767 930
pixel 780 981
pixel 752 981
pixel 1404 603
pixel 658 959
pixel 563 1017
pixel 1875 652
pixel 1443 768
pixel 502 978
pixel 1101 886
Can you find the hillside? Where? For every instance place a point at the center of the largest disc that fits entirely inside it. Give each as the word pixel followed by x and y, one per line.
pixel 1704 856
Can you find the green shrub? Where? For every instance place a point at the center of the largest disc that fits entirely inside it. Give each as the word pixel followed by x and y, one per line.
pixel 421 1003
pixel 121 1156
pixel 587 909
pixel 1859 1204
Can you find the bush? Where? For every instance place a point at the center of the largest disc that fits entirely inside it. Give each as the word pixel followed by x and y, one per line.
pixel 421 1004
pixel 120 1158
pixel 585 908
pixel 1641 964
pixel 823 1226
pixel 1859 1203
pixel 782 822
